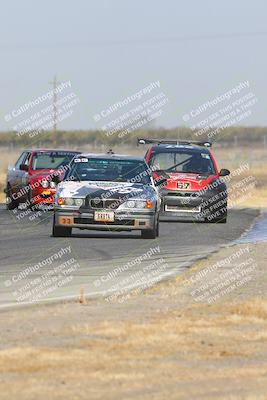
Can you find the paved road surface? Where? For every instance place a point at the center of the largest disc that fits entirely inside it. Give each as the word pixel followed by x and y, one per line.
pixel 35 266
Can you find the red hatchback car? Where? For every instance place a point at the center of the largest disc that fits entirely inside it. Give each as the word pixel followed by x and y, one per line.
pixel 34 177
pixel 193 186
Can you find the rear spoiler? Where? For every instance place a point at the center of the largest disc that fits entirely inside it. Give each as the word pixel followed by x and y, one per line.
pixel 172 141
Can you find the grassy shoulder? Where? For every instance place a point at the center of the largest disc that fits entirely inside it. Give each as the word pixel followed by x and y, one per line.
pixel 164 343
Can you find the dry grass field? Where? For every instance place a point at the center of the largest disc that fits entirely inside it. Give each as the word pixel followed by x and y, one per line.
pixel 159 345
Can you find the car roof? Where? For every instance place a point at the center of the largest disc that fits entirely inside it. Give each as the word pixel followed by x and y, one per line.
pixel 52 150
pixel 112 156
pixel 165 148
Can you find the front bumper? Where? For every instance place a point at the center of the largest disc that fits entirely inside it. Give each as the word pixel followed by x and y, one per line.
pixel 192 206
pixel 43 196
pixel 123 221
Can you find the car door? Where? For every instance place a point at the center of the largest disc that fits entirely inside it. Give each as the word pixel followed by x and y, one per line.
pixel 12 173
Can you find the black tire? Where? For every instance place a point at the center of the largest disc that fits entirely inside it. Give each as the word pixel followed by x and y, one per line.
pixel 151 233
pixel 31 206
pixel 220 220
pixel 157 227
pixel 29 199
pixel 11 204
pixel 60 231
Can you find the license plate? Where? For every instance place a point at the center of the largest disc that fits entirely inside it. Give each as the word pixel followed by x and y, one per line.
pixel 46 192
pixel 104 216
pixel 66 220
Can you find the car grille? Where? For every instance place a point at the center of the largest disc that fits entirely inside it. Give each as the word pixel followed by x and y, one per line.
pixel 182 194
pixel 111 204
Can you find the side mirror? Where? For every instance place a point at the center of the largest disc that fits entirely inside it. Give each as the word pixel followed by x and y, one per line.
pixel 224 172
pixel 24 167
pixel 160 182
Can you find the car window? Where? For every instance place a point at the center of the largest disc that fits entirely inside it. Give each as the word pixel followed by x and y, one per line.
pixel 51 160
pixel 113 170
pixel 186 161
pixel 27 159
pixel 21 159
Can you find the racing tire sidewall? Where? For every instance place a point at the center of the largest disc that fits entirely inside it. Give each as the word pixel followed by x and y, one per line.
pixel 60 231
pixel 11 204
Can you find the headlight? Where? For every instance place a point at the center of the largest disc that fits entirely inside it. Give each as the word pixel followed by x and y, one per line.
pixel 70 201
pixel 130 204
pixel 138 204
pixel 78 202
pixel 53 184
pixel 44 183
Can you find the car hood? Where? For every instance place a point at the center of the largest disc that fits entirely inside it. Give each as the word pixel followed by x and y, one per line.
pixel 194 181
pixel 112 190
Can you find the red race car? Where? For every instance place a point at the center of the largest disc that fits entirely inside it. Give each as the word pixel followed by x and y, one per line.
pixel 35 175
pixel 193 188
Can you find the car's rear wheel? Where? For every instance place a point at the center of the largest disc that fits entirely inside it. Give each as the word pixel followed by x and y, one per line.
pixel 11 204
pixel 60 231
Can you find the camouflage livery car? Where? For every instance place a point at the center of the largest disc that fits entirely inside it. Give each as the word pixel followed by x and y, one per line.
pixel 107 192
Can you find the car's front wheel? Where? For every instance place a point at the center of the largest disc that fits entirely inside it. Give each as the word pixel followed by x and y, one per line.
pixel 222 219
pixel 11 204
pixel 151 233
pixel 32 207
pixel 60 231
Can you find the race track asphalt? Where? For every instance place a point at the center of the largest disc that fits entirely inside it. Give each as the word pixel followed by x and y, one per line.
pixel 37 267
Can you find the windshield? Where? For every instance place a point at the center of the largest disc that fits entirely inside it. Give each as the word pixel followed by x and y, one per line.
pixel 51 160
pixel 183 161
pixel 97 169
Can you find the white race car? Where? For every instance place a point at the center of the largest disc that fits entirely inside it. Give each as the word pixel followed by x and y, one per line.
pixel 107 192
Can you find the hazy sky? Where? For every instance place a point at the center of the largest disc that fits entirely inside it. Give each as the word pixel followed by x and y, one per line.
pixel 110 49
